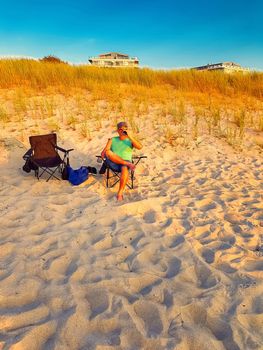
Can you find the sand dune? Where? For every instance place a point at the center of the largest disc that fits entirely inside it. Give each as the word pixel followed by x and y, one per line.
pixel 174 266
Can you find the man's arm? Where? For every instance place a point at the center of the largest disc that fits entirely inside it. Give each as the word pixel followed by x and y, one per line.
pixel 135 143
pixel 107 147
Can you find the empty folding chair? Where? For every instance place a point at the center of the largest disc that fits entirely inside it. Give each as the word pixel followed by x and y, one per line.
pixel 43 156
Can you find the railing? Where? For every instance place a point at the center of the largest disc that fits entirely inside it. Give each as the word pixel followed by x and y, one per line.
pixel 113 59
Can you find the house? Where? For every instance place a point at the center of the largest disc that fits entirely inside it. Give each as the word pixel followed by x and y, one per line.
pixel 227 67
pixel 114 59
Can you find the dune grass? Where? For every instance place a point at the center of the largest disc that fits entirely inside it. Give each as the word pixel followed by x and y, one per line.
pixel 34 74
pixel 177 102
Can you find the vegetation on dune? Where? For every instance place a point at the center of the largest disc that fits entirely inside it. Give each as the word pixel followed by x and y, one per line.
pixel 35 74
pixel 178 104
pixel 52 59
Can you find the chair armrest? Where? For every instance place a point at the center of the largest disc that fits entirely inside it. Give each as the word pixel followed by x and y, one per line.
pixel 139 157
pixel 64 150
pixel 28 154
pixel 100 159
pixel 136 157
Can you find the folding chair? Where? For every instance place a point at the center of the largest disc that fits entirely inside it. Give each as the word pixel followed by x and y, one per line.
pixel 43 156
pixel 113 174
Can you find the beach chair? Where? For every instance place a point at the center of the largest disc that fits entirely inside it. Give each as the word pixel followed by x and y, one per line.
pixel 43 156
pixel 113 176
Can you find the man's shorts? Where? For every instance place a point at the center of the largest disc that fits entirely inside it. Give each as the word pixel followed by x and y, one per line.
pixel 114 166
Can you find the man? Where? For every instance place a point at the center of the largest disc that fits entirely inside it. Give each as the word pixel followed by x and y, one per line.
pixel 118 154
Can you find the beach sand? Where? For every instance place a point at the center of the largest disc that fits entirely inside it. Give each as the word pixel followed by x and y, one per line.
pixel 176 265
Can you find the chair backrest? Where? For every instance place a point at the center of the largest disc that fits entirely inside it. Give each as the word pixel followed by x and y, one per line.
pixel 44 146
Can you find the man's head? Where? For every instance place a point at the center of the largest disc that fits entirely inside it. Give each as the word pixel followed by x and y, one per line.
pixel 122 127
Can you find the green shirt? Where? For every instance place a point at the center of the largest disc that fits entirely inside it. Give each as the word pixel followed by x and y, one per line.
pixel 123 148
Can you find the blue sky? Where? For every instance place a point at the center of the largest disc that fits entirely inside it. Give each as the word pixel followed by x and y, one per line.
pixel 163 34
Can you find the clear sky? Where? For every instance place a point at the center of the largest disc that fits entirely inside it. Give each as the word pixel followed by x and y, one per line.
pixel 162 34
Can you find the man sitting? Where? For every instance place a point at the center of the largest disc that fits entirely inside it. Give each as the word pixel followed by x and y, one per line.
pixel 118 154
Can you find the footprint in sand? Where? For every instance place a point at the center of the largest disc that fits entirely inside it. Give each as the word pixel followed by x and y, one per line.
pixel 150 217
pixel 146 290
pixel 175 325
pixel 47 264
pixel 150 316
pixel 220 329
pixel 98 300
pixel 201 181
pixel 234 219
pixel 47 214
pixel 61 200
pixel 205 277
pixel 174 266
pixel 205 204
pixel 73 213
pixel 227 238
pixel 177 240
pixel 72 267
pixel 254 266
pixel 257 305
pixel 225 267
pixel 207 254
pixel 23 295
pixel 167 298
pixel 194 314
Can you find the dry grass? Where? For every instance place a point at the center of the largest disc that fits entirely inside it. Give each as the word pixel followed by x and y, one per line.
pixel 184 104
pixel 34 74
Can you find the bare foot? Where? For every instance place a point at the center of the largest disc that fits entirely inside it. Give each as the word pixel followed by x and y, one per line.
pixel 119 197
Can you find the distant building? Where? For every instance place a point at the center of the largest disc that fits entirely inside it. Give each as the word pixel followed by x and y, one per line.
pixel 227 67
pixel 17 57
pixel 114 59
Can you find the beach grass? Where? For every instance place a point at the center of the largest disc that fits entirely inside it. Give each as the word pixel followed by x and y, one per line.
pixel 35 74
pixel 219 104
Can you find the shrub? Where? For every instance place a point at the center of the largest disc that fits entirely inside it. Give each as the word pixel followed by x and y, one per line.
pixel 52 59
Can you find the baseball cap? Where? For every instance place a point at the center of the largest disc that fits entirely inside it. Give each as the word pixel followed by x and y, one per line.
pixel 121 125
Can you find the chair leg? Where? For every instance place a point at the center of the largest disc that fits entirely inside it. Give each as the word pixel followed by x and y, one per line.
pixel 130 183
pixel 52 172
pixel 132 178
pixel 108 176
pixel 112 185
pixel 49 171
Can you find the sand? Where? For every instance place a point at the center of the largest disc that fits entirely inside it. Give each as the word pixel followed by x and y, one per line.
pixel 173 266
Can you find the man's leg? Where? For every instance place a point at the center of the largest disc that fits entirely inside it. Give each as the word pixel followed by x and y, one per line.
pixel 123 181
pixel 118 160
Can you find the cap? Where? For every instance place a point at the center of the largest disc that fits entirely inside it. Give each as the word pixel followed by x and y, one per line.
pixel 122 124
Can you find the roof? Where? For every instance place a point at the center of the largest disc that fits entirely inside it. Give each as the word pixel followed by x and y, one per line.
pixel 114 54
pixel 219 64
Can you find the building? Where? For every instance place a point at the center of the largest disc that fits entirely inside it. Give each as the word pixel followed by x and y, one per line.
pixel 17 57
pixel 227 67
pixel 114 59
